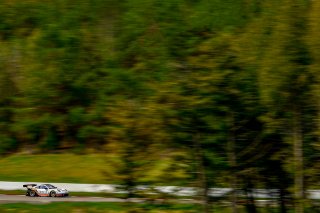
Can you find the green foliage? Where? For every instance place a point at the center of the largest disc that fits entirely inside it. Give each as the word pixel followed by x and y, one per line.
pixel 217 89
pixel 7 144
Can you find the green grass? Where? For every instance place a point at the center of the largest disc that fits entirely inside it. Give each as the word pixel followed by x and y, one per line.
pixel 122 208
pixel 97 208
pixel 62 168
pixel 73 168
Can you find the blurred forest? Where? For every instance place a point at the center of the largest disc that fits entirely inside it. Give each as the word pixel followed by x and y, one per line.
pixel 228 90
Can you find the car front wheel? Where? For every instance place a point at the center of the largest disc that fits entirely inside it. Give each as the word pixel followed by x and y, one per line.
pixel 52 194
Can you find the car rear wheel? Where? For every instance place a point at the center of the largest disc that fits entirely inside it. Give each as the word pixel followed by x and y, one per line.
pixel 52 194
pixel 32 193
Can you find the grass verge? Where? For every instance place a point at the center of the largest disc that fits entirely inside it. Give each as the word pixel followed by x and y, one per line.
pixel 76 168
pixel 98 207
pixel 59 168
pixel 124 208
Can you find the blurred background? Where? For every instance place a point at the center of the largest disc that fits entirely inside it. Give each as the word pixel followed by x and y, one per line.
pixel 193 93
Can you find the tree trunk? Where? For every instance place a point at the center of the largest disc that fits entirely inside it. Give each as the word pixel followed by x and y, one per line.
pixel 250 204
pixel 232 158
pixel 298 162
pixel 201 173
pixel 282 201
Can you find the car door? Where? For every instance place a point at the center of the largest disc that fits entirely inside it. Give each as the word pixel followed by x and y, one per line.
pixel 42 190
pixel 45 190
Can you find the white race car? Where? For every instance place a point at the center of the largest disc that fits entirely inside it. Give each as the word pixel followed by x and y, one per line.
pixel 45 190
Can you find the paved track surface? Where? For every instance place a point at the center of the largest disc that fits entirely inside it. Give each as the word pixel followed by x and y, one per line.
pixel 26 199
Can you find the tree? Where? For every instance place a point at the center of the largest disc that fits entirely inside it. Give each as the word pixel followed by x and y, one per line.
pixel 10 67
pixel 288 84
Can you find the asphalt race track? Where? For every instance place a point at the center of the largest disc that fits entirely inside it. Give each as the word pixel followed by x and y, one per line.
pixel 26 199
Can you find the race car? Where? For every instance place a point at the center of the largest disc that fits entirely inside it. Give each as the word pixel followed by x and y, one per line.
pixel 45 190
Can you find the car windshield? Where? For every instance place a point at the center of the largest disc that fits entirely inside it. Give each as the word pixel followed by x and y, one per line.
pixel 50 186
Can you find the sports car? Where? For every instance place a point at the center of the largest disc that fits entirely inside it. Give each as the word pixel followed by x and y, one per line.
pixel 45 190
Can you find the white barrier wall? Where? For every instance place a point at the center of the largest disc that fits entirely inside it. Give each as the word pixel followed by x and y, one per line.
pixel 174 190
